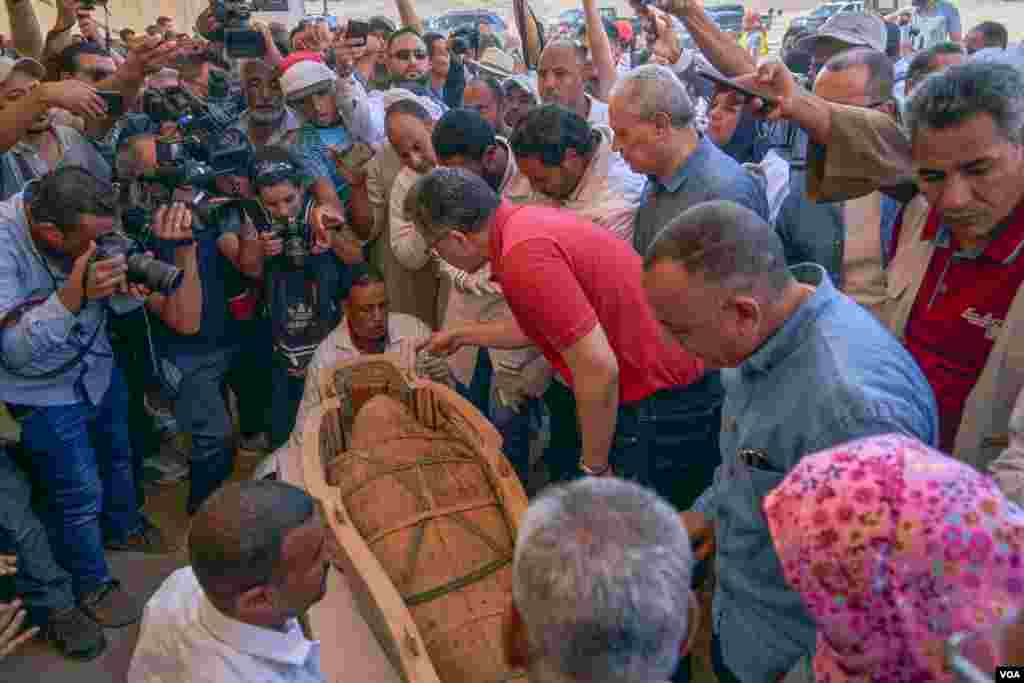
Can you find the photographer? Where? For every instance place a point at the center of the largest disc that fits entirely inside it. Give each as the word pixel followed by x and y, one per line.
pixel 193 367
pixel 305 275
pixel 58 272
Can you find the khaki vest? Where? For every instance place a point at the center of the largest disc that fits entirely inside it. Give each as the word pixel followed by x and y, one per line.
pixel 985 424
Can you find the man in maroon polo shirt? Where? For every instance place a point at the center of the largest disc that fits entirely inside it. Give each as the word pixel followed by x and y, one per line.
pixel 646 408
pixel 968 153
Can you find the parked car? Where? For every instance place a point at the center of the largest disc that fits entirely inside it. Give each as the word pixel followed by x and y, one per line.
pixel 820 14
pixel 729 18
pixel 455 19
pixel 570 22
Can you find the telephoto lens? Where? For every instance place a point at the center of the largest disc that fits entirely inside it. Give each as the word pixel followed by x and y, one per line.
pixel 143 269
pixel 155 275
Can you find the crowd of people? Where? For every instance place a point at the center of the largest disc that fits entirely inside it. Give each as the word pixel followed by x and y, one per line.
pixel 759 327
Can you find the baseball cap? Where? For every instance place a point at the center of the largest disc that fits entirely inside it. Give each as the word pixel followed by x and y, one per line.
pixel 25 64
pixel 856 29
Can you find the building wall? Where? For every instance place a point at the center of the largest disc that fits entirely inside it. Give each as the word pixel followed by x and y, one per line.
pixel 136 14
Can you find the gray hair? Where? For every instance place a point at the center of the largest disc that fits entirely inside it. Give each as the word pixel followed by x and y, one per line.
pixel 951 97
pixel 449 199
pixel 602 581
pixel 653 89
pixel 728 244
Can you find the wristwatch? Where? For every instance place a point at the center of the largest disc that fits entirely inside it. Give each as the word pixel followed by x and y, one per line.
pixel 590 471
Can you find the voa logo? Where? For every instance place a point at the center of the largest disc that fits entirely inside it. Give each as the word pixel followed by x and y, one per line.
pixel 1008 673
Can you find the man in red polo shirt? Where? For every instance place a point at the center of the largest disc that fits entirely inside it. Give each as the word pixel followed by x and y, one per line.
pixel 645 406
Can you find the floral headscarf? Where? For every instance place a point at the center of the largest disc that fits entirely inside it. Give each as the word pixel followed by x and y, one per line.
pixel 893 548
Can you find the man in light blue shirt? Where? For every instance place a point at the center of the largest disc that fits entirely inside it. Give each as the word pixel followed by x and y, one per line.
pixel 58 375
pixel 805 368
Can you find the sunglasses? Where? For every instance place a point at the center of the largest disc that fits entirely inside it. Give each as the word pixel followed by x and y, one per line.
pixel 408 55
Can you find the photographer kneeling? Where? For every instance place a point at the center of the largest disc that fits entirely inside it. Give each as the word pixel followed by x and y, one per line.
pixel 193 367
pixel 61 265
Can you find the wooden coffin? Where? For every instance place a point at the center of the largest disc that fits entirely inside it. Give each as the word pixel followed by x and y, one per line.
pixel 424 508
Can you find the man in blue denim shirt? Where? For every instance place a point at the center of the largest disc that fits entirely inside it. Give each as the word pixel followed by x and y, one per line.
pixel 58 375
pixel 806 368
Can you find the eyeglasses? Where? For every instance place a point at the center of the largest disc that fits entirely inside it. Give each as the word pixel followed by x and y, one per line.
pixel 408 55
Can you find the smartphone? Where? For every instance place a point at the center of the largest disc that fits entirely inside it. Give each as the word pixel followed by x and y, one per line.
pixel 356 155
pixel 114 100
pixel 356 33
pixel 768 100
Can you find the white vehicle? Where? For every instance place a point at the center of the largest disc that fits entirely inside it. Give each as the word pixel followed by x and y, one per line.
pixel 820 14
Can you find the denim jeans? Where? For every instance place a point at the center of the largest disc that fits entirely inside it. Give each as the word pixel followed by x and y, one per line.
pixel 250 379
pixel 668 441
pixel 286 395
pixel 41 583
pixel 82 455
pixel 200 410
pixel 514 425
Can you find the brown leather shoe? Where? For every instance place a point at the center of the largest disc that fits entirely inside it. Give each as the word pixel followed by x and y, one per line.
pixel 111 607
pixel 149 540
pixel 75 634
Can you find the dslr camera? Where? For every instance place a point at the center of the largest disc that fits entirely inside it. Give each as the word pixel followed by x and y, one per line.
pixel 293 235
pixel 240 40
pixel 142 268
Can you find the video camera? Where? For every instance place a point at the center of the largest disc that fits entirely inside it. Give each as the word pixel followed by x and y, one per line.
pixel 465 39
pixel 208 142
pixel 240 40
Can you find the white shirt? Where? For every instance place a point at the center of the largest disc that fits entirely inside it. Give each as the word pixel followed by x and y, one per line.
pixel 185 639
pixel 336 348
pixel 603 195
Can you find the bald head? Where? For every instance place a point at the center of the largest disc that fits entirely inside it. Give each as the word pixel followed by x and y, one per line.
pixel 716 279
pixel 238 535
pixel 728 244
pixel 560 76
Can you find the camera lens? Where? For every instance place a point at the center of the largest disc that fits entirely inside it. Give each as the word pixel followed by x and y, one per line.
pixel 156 275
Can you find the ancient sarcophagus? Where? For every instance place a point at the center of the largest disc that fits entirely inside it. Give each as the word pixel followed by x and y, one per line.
pixel 424 508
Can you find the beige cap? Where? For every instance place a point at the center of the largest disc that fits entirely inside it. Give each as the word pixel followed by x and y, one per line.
pixel 26 65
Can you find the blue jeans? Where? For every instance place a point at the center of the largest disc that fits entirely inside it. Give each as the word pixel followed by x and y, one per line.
pixel 667 442
pixel 82 455
pixel 514 425
pixel 41 583
pixel 200 410
pixel 286 395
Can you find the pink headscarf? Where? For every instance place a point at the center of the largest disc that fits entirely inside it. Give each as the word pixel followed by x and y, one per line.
pixel 893 548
